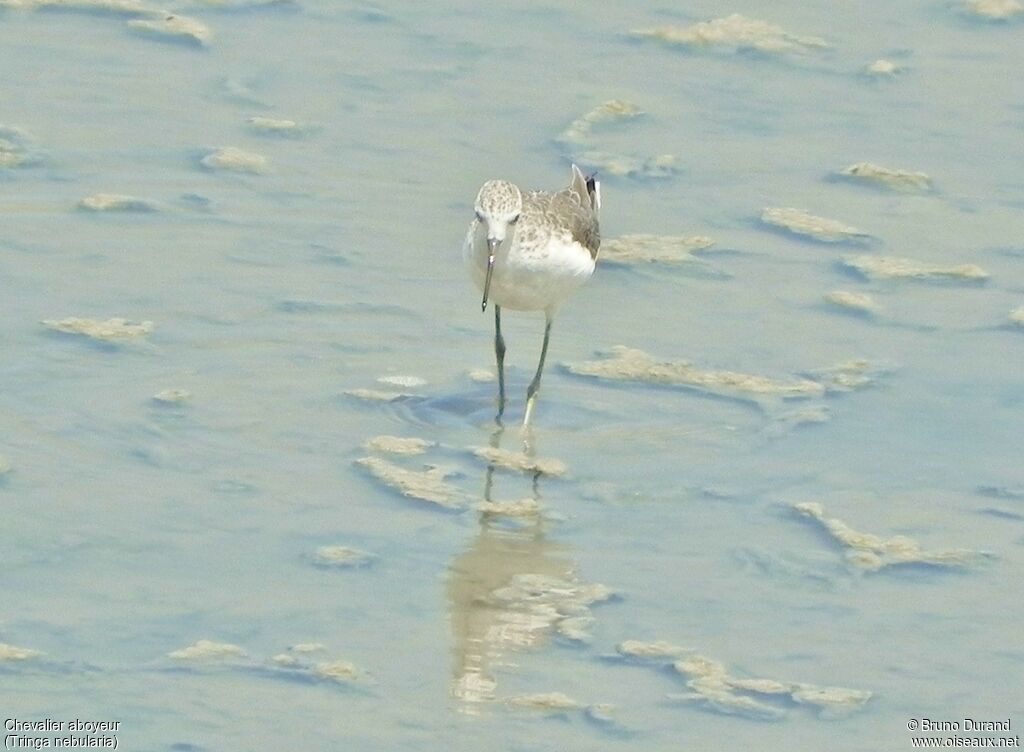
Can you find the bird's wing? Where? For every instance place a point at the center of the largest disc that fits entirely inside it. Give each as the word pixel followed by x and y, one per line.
pixel 563 212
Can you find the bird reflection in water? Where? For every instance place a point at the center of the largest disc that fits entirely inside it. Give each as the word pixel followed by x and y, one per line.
pixel 509 591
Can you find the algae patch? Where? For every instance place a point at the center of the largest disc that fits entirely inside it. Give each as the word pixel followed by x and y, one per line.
pixel 621 165
pixel 994 10
pixel 116 202
pixel 887 177
pixel 14 653
pixel 800 222
pixel 407 382
pixel 892 267
pixel 11 155
pixel 852 301
pixel 234 159
pixel 172 396
pixel 294 663
pixel 398 445
pixel 712 686
pixel 274 126
pixel 14 147
pixel 522 462
pixel 579 140
pixel 148 20
pixel 644 248
pixel 111 330
pixel 871 553
pixel 733 33
pixel 656 650
pixel 519 508
pixel 116 7
pixel 559 703
pixel 630 364
pixel 341 557
pixel 535 603
pixel 173 27
pixel 377 395
pixel 613 110
pixel 846 376
pixel 336 671
pixel 546 701
pixel 425 485
pixel 882 68
pixel 207 650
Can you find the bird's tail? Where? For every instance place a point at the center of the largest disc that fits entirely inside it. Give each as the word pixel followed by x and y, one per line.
pixel 594 191
pixel 587 188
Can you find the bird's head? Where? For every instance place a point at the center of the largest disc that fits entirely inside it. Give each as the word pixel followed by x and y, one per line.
pixel 498 206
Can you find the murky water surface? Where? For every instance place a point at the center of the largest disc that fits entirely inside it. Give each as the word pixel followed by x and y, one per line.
pixel 198 542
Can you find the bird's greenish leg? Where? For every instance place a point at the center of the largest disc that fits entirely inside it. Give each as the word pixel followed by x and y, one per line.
pixel 531 392
pixel 499 352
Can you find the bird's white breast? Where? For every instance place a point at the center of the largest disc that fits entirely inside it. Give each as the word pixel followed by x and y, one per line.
pixel 533 274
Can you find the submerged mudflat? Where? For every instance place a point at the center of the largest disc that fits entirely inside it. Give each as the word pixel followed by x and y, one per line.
pixel 252 487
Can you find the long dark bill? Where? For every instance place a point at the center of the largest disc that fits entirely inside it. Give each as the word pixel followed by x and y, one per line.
pixel 492 246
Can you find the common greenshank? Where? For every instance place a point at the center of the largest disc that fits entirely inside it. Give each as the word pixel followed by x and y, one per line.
pixel 530 250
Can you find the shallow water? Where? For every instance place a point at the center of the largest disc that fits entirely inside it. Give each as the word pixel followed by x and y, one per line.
pixel 134 528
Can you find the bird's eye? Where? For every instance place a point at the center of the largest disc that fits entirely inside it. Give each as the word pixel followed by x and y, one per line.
pixel 479 217
pixel 514 220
